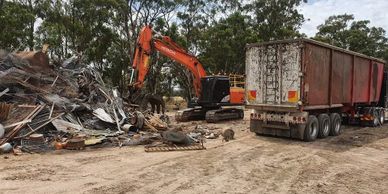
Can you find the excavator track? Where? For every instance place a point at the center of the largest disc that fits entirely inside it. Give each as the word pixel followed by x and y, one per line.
pixel 190 114
pixel 213 116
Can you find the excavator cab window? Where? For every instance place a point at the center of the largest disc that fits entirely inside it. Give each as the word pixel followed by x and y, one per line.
pixel 214 89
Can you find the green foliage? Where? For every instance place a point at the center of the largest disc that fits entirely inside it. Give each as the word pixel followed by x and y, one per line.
pixel 15 21
pixel 224 44
pixel 335 30
pixel 343 31
pixel 276 19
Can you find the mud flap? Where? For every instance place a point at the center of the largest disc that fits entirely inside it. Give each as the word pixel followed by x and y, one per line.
pixel 258 127
pixel 295 131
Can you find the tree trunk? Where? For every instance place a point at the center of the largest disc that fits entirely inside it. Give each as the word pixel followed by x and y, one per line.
pixel 31 27
pixel 1 4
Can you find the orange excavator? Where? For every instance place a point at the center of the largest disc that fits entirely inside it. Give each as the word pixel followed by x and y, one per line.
pixel 217 100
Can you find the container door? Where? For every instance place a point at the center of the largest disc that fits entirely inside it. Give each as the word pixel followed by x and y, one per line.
pixel 273 73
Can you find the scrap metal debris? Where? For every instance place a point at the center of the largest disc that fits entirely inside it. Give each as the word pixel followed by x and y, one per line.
pixel 177 141
pixel 2 131
pixel 65 104
pixel 46 107
pixel 4 110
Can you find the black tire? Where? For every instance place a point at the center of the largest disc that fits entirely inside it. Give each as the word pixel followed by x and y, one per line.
pixel 324 125
pixel 312 128
pixel 335 124
pixel 381 117
pixel 138 120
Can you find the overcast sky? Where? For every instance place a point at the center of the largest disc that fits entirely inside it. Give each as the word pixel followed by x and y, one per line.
pixel 318 10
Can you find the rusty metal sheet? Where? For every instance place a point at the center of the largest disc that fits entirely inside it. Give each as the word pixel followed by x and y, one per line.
pixel 11 134
pixel 273 74
pixel 323 75
pixel 342 77
pixel 317 75
pixel 380 75
pixel 5 109
pixel 361 80
pixel 37 60
pixel 331 78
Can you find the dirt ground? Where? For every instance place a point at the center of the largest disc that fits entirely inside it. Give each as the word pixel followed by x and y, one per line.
pixel 355 162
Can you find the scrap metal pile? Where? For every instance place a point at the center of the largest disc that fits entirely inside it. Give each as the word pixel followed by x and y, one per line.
pixel 45 107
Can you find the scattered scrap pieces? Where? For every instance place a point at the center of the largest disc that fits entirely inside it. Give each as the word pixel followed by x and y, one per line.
pixel 2 131
pixel 4 92
pixel 176 137
pixel 94 141
pixel 5 148
pixel 102 115
pixel 156 122
pixel 65 126
pixel 75 144
pixel 4 110
pixel 8 136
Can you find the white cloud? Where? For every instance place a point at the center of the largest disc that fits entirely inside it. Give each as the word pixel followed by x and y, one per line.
pixel 317 11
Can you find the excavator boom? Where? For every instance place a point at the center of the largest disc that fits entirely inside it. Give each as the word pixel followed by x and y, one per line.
pixel 169 48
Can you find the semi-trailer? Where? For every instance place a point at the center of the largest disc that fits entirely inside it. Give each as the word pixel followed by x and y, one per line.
pixel 307 89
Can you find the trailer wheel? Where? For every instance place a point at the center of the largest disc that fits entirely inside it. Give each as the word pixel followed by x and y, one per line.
pixel 381 116
pixel 335 121
pixel 311 130
pixel 324 125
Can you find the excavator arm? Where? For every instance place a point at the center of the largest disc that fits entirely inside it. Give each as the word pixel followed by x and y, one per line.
pixel 146 44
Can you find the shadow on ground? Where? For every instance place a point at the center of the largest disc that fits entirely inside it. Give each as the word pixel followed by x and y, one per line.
pixel 351 137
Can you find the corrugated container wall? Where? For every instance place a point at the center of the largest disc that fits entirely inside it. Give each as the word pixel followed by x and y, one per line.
pixel 316 74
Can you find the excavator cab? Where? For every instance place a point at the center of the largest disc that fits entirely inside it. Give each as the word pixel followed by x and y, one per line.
pixel 215 91
pixel 221 91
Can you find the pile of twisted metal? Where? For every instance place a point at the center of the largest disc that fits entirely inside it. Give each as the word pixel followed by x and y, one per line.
pixel 45 106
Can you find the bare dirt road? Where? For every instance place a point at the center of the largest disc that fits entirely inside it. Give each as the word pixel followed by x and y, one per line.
pixel 355 162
